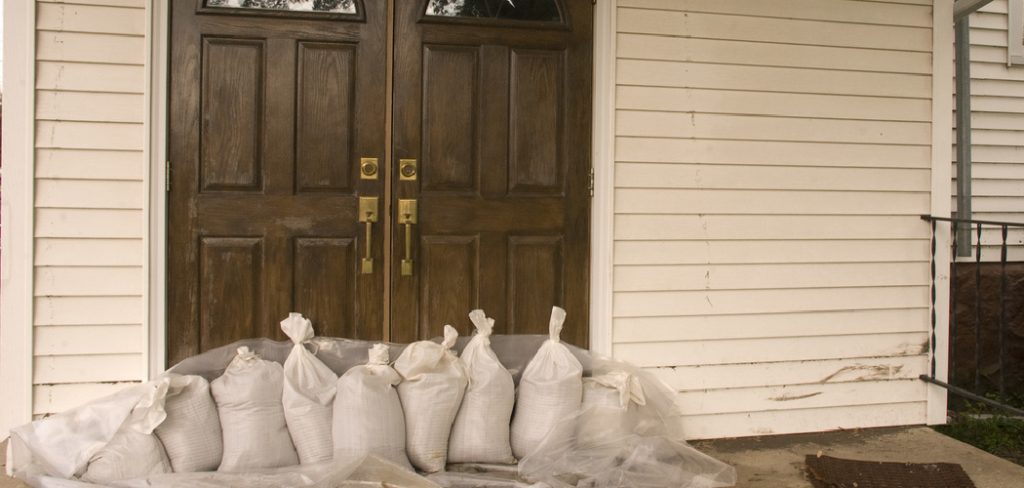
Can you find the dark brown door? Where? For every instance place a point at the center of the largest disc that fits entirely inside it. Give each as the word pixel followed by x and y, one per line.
pixel 497 113
pixel 270 113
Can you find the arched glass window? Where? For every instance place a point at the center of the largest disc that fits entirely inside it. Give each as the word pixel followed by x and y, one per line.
pixel 525 10
pixel 326 6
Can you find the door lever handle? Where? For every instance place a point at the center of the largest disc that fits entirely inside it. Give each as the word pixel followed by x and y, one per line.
pixel 368 214
pixel 407 216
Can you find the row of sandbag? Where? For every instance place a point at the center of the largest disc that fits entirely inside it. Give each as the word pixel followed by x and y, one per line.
pixel 429 409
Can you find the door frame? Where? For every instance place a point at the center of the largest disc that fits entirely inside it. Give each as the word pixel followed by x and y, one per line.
pixel 155 206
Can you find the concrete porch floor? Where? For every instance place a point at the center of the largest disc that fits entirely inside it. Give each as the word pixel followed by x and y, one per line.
pixel 777 461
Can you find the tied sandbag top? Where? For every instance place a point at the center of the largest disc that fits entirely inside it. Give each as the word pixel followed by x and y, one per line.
pixel 298 328
pixel 426 357
pixel 629 387
pixel 303 372
pixel 378 355
pixel 484 326
pixel 555 324
pixel 376 368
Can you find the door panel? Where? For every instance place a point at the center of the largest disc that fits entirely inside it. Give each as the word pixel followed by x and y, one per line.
pixel 491 112
pixel 230 288
pixel 324 282
pixel 451 280
pixel 326 115
pixel 232 113
pixel 449 103
pixel 535 271
pixel 269 116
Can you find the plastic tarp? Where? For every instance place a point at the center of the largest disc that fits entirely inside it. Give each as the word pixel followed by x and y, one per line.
pixel 649 453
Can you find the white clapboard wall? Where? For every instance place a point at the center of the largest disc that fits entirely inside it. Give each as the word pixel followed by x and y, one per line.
pixel 997 132
pixel 772 162
pixel 90 84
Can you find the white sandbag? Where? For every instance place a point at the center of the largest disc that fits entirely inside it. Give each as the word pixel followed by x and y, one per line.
pixel 190 431
pixel 606 414
pixel 550 390
pixel 480 433
pixel 248 397
pixel 432 387
pixel 368 416
pixel 309 387
pixel 129 454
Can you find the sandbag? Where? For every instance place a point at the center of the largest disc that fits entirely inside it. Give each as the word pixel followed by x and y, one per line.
pixel 481 429
pixel 190 429
pixel 368 416
pixel 130 454
pixel 432 387
pixel 309 387
pixel 248 397
pixel 550 390
pixel 607 413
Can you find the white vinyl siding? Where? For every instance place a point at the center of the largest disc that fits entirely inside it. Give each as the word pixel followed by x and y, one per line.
pixel 88 333
pixel 997 131
pixel 772 162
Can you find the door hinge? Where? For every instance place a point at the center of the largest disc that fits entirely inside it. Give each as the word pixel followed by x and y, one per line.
pixel 167 175
pixel 590 186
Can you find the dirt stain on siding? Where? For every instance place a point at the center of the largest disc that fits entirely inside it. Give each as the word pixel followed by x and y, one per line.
pixel 788 398
pixel 864 372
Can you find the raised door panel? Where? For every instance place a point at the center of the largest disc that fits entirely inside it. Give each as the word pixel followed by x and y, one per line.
pixel 325 116
pixel 535 281
pixel 230 289
pixel 325 282
pixel 232 114
pixel 449 285
pixel 449 118
pixel 535 121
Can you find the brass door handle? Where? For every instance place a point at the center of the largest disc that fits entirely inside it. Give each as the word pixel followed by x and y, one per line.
pixel 368 214
pixel 407 216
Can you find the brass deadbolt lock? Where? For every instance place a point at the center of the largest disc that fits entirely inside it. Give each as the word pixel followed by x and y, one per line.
pixel 368 168
pixel 407 169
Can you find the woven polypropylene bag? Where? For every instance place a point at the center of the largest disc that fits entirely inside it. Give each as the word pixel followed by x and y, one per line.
pixel 605 414
pixel 309 387
pixel 550 391
pixel 368 416
pixel 129 454
pixel 432 387
pixel 481 429
pixel 190 432
pixel 248 397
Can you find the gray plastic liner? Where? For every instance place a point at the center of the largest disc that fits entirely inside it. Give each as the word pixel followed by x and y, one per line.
pixel 650 453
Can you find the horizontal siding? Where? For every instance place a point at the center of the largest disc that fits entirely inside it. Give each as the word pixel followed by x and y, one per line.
pixel 807 373
pixel 997 132
pixel 772 162
pixel 89 196
pixel 796 420
pixel 47 399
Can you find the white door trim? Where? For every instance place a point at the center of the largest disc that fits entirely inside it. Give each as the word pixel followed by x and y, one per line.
pixel 603 161
pixel 158 19
pixel 16 280
pixel 941 196
pixel 602 216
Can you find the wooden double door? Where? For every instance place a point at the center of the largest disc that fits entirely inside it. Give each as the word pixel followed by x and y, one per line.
pixel 382 171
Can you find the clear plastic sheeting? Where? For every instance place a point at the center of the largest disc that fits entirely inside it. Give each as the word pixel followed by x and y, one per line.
pixel 644 449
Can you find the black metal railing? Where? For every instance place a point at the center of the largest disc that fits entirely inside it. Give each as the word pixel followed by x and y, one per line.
pixel 978 385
